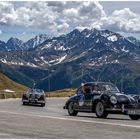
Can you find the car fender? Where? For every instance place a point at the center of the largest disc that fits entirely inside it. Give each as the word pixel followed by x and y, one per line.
pixel 104 98
pixel 71 99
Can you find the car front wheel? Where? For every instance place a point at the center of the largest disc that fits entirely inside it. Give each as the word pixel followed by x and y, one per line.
pixel 43 104
pixel 71 110
pixel 100 110
pixel 134 117
pixel 23 103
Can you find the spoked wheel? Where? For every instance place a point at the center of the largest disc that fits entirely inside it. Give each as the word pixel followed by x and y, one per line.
pixel 100 110
pixel 134 117
pixel 71 110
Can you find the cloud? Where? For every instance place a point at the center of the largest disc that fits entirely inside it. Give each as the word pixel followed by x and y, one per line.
pixel 63 28
pixel 91 9
pixel 30 14
pixel 50 15
pixel 122 20
pixel 0 32
pixel 63 16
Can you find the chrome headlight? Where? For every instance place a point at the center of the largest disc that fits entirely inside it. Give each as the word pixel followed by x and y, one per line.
pixel 113 99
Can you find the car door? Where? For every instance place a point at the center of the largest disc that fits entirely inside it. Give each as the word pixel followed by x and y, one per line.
pixel 88 102
pixel 85 101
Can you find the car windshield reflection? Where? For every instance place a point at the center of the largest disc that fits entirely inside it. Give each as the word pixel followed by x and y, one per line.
pixel 109 87
pixel 37 91
pixel 98 87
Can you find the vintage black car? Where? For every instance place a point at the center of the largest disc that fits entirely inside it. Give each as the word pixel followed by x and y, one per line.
pixel 34 96
pixel 103 98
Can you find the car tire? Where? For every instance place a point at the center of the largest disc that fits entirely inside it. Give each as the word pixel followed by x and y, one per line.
pixel 134 117
pixel 23 103
pixel 71 110
pixel 100 110
pixel 43 104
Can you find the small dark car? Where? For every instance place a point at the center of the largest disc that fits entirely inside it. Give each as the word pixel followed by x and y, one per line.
pixel 103 98
pixel 34 96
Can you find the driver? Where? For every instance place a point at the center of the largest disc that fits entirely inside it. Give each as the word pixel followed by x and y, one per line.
pixel 83 87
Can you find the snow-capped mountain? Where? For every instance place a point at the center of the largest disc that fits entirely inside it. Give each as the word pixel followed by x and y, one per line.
pixel 87 44
pixel 15 44
pixel 77 55
pixel 97 47
pixel 32 43
pixel 134 40
pixel 3 46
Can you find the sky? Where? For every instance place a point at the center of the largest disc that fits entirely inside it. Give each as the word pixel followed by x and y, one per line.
pixel 26 19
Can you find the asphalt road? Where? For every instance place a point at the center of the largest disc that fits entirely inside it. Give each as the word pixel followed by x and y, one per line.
pixel 51 121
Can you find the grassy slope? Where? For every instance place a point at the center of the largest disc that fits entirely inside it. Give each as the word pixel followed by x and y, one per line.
pixel 6 83
pixel 62 93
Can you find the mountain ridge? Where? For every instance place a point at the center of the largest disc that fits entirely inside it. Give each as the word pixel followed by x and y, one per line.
pixel 76 56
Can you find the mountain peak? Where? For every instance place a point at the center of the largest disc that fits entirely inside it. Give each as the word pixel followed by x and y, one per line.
pixel 13 39
pixel 38 39
pixel 14 44
pixel 134 40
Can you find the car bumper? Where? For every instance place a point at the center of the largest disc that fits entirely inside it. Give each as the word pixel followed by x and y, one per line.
pixel 33 101
pixel 132 110
pixel 126 110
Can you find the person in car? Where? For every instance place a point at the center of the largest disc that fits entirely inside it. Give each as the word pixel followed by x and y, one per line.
pixel 83 87
pixel 92 89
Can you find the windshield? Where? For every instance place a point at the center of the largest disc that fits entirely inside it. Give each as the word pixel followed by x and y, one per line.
pixel 37 91
pixel 108 87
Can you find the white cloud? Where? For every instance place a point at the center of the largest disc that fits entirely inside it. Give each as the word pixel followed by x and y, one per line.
pixel 0 31
pixel 122 20
pixel 31 14
pixel 70 13
pixel 63 28
pixel 51 15
pixel 61 16
pixel 91 9
pixel 124 13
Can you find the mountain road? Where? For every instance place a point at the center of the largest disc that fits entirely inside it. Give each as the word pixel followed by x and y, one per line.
pixel 52 121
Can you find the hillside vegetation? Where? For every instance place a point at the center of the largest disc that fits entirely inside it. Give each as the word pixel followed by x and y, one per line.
pixel 9 88
pixel 61 93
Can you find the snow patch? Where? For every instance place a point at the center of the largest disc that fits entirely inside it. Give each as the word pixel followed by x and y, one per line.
pixel 46 46
pixel 35 59
pixel 61 59
pixel 44 61
pixel 12 62
pixel 123 49
pixel 97 41
pixel 74 58
pixel 3 60
pixel 58 60
pixel 61 48
pixel 31 65
pixel 8 90
pixel 112 38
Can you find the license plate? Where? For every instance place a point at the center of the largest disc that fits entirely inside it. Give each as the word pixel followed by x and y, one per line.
pixel 134 111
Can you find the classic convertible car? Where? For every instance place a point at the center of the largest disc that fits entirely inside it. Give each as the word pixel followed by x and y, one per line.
pixel 34 96
pixel 103 98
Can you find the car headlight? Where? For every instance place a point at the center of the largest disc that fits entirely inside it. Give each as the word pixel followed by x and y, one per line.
pixel 113 99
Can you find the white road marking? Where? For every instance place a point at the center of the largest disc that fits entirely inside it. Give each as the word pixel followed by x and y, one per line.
pixel 9 99
pixel 69 119
pixel 4 134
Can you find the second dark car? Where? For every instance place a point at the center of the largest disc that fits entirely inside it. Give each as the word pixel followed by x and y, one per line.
pixel 103 98
pixel 34 96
